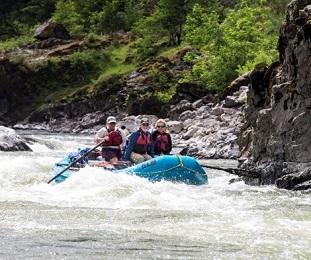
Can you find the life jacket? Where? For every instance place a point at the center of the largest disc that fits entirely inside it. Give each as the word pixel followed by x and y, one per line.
pixel 115 138
pixel 161 143
pixel 142 143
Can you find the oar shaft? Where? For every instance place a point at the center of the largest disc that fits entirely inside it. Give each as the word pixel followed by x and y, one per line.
pixel 75 161
pixel 239 172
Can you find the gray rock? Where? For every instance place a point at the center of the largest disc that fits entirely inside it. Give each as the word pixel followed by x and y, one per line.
pixel 10 141
pixel 198 103
pixel 51 30
pixel 203 110
pixel 189 134
pixel 303 186
pixel 187 115
pixel 182 106
pixel 217 111
pixel 231 101
pixel 175 126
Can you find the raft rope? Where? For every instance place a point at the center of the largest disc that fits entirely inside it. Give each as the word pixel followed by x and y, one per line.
pixel 179 165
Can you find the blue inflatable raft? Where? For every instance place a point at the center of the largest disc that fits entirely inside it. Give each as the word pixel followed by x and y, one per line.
pixel 167 167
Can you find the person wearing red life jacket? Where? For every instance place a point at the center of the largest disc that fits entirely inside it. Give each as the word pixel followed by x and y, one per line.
pixel 162 140
pixel 140 145
pixel 113 140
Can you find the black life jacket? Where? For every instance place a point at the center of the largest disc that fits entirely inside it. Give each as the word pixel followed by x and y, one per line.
pixel 161 143
pixel 142 143
pixel 115 138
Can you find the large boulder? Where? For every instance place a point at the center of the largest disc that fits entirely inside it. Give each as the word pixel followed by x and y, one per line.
pixel 10 141
pixel 51 30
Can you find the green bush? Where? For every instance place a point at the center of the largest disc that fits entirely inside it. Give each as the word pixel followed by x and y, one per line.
pixel 245 37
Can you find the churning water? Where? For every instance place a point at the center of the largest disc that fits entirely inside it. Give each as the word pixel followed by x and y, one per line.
pixel 96 214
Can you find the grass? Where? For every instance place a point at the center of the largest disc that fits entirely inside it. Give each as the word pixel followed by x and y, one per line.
pixel 168 52
pixel 13 43
pixel 114 65
pixel 117 65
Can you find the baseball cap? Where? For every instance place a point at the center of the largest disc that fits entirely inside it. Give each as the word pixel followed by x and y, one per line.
pixel 144 120
pixel 111 119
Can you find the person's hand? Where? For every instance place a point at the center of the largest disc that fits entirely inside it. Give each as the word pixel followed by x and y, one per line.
pixel 106 138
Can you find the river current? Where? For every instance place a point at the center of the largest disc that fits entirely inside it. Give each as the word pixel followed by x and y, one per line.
pixel 96 214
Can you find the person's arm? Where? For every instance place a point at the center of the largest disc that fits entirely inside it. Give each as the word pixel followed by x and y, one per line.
pixel 154 136
pixel 123 137
pixel 151 147
pixel 170 145
pixel 101 135
pixel 131 143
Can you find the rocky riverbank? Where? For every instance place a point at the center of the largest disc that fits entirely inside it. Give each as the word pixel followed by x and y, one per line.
pixel 204 128
pixel 277 133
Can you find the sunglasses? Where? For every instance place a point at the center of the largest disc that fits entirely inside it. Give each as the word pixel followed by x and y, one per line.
pixel 145 124
pixel 112 123
pixel 161 126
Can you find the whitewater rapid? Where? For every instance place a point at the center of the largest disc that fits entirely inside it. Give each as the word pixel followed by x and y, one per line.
pixel 97 214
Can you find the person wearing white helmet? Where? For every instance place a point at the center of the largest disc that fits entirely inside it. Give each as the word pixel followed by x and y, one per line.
pixel 112 139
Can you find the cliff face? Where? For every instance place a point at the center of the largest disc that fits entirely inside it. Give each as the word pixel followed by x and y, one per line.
pixel 277 132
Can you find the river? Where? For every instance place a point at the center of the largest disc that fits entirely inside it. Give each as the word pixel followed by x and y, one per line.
pixel 96 214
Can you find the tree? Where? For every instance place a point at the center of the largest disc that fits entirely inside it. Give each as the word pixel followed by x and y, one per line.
pixel 245 37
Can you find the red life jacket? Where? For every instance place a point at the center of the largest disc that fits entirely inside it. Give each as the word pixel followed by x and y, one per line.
pixel 142 143
pixel 115 138
pixel 161 143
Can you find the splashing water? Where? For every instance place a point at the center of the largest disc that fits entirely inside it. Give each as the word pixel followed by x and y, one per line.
pixel 97 214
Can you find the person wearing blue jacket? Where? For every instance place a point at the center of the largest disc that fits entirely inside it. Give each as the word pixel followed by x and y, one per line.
pixel 140 144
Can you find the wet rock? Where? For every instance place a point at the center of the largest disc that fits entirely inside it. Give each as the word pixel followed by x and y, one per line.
pixel 290 181
pixel 10 141
pixel 303 186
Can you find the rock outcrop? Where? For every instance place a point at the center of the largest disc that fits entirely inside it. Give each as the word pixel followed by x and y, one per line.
pixel 10 141
pixel 277 133
pixel 51 30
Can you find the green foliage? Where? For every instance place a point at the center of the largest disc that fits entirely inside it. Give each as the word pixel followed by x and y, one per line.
pixel 167 21
pixel 231 36
pixel 166 95
pixel 117 64
pixel 67 13
pixel 245 37
pixel 90 61
pixel 98 16
pixel 17 18
pixel 202 27
pixel 13 43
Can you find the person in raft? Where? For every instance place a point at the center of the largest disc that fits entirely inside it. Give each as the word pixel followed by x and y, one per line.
pixel 112 139
pixel 140 145
pixel 162 141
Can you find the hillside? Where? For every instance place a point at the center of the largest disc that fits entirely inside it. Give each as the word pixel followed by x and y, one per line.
pixel 126 57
